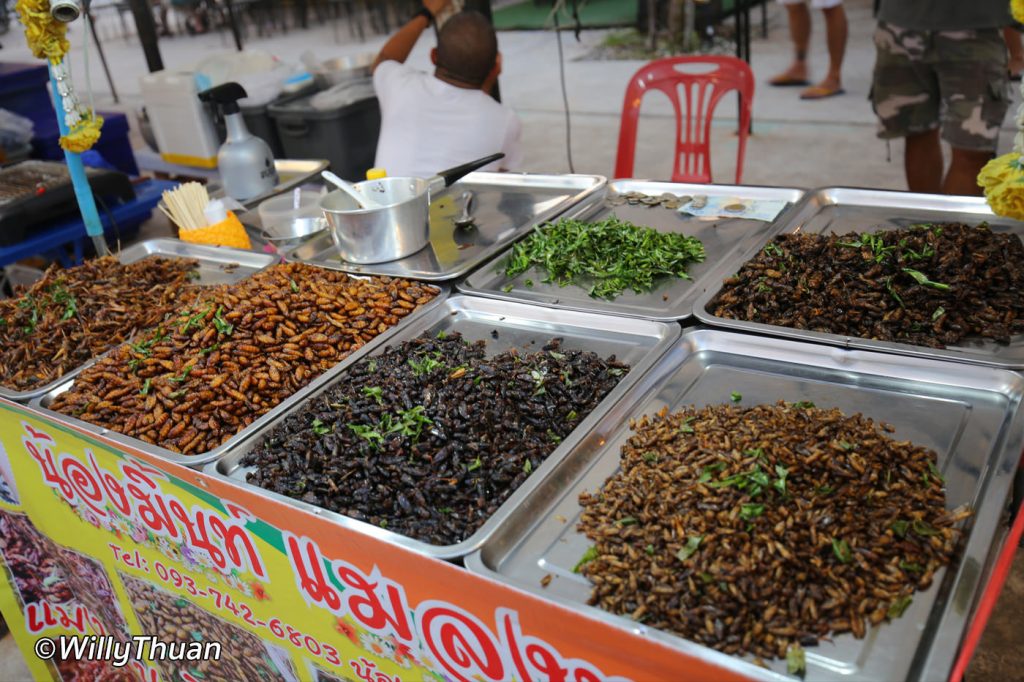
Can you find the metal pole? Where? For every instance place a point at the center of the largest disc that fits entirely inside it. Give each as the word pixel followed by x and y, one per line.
pixel 145 26
pixel 234 26
pixel 103 59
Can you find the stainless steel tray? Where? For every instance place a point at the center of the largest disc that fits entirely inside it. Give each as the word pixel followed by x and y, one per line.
pixel 43 402
pixel 637 342
pixel 840 210
pixel 971 416
pixel 216 266
pixel 673 299
pixel 506 205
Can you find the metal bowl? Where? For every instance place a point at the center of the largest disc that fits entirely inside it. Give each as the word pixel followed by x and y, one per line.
pixel 343 69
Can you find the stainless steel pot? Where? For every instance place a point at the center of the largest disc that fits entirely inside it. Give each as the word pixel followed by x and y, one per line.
pixel 400 226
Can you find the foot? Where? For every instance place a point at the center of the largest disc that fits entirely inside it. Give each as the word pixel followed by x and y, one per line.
pixel 829 87
pixel 796 74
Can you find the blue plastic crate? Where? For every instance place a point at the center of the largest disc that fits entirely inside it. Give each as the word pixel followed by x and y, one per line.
pixel 114 145
pixel 25 90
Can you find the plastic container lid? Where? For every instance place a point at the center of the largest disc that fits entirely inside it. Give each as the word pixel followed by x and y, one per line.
pixel 278 213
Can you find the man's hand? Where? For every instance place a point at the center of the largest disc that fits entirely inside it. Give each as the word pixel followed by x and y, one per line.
pixel 435 7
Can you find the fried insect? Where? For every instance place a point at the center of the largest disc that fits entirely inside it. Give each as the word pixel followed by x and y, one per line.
pixel 197 380
pixel 71 316
pixel 757 530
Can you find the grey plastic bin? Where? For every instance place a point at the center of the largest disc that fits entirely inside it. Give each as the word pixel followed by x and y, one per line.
pixel 346 135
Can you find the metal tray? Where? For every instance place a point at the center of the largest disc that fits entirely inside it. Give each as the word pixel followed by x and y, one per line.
pixel 637 342
pixel 839 210
pixel 505 206
pixel 216 266
pixel 43 402
pixel 971 416
pixel 673 299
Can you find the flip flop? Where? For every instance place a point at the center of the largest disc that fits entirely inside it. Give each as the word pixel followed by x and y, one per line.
pixel 819 92
pixel 788 81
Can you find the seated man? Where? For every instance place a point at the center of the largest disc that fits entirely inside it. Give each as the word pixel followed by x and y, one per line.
pixel 433 122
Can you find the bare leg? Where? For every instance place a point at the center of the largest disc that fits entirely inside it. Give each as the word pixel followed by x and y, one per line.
pixel 922 162
pixel 836 30
pixel 1011 37
pixel 962 177
pixel 800 33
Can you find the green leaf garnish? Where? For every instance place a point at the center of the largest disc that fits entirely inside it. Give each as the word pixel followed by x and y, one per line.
pixel 690 548
pixel 607 257
pixel 587 557
pixel 842 550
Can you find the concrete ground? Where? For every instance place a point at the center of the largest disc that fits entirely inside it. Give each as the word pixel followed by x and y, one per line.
pixel 795 143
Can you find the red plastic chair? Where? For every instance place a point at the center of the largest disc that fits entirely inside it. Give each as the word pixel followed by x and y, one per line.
pixel 702 93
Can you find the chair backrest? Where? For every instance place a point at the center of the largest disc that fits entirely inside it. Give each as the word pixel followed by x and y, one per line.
pixel 701 92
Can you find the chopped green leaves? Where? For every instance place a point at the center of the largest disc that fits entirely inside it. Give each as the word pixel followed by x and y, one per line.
pixel 690 548
pixel 367 433
pixel 427 363
pixel 685 426
pixel 607 257
pixel 375 392
pixel 527 466
pixel 222 325
pixel 900 528
pixel 900 605
pixel 939 312
pixel 780 483
pixel 587 557
pixel 796 660
pixel 145 387
pixel 923 529
pixel 321 429
pixel 923 280
pixel 475 464
pixel 842 550
pixel 735 396
pixel 751 511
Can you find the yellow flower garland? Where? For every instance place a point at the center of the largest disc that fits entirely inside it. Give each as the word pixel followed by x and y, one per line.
pixel 84 135
pixel 1002 178
pixel 1017 10
pixel 47 38
pixel 1003 181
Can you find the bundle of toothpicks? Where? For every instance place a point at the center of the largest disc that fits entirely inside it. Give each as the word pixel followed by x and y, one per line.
pixel 202 220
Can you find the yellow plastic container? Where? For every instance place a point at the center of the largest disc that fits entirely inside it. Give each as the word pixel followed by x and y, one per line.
pixel 225 233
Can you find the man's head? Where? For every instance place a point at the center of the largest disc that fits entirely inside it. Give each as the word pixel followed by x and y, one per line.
pixel 467 49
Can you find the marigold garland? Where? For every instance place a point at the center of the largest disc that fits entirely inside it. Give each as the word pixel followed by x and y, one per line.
pixel 1002 178
pixel 47 38
pixel 1003 181
pixel 83 135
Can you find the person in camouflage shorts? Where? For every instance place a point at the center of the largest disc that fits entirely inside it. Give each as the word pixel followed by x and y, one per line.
pixel 952 82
